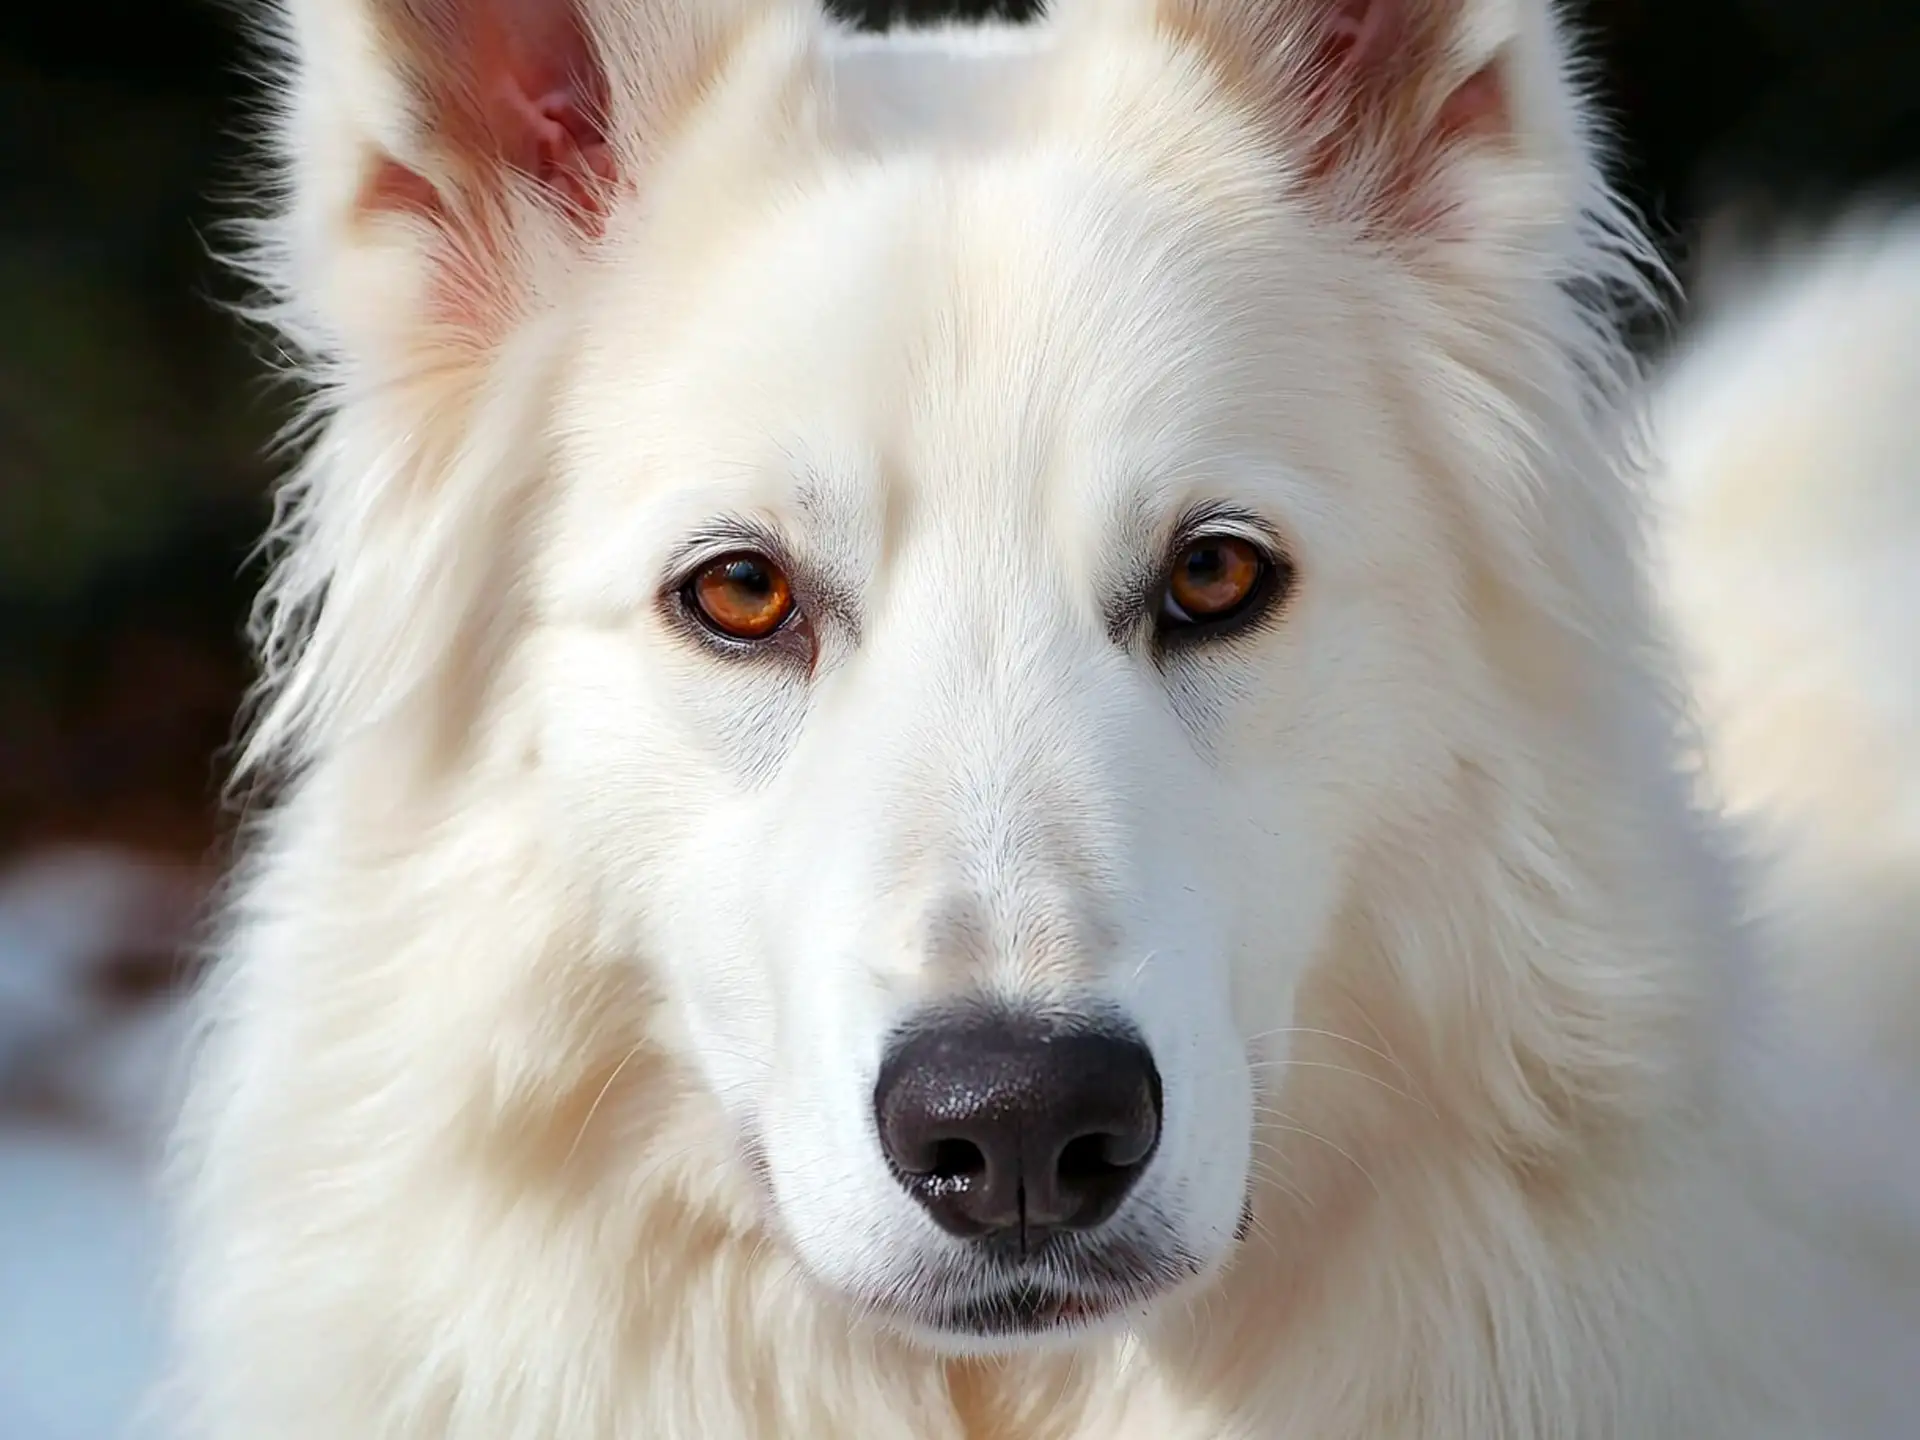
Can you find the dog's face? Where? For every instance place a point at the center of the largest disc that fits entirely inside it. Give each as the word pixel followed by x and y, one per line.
pixel 984 619
pixel 988 591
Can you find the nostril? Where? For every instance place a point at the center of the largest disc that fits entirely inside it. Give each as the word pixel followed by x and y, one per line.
pixel 955 1160
pixel 1093 1158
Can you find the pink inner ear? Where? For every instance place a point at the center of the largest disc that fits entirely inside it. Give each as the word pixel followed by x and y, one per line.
pixel 544 92
pixel 566 148
pixel 1373 56
pixel 1478 107
pixel 508 87
pixel 1361 33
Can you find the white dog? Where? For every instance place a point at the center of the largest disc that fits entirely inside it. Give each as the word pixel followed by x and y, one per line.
pixel 975 748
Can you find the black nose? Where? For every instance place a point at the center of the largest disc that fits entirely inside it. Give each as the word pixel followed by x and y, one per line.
pixel 1000 1124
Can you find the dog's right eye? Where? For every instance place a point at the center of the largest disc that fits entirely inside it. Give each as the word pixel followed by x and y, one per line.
pixel 742 597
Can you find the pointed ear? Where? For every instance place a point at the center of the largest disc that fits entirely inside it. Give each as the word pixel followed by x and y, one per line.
pixel 441 153
pixel 1392 110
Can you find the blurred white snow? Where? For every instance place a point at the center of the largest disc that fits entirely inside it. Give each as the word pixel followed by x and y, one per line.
pixel 90 1035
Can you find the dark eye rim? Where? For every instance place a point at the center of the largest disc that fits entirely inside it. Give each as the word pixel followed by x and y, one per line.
pixel 1173 626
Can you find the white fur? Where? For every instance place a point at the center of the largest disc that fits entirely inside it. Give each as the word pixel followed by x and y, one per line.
pixel 1790 522
pixel 563 916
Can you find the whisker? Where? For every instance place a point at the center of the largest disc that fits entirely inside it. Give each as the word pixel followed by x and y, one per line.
pixel 1385 1049
pixel 1280 1120
pixel 594 1109
pixel 1290 1063
pixel 1390 1058
pixel 1268 1171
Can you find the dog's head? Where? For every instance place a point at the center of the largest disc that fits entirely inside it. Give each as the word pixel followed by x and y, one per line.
pixel 984 543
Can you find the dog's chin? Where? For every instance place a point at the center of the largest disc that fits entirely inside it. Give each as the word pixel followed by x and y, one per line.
pixel 1021 1319
pixel 999 1310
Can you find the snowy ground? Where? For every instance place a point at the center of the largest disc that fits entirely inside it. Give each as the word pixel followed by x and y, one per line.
pixel 88 1051
pixel 79 1252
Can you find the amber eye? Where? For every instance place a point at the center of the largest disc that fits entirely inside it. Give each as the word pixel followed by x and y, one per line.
pixel 744 597
pixel 1214 579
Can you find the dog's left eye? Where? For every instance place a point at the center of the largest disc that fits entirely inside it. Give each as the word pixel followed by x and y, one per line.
pixel 1215 580
pixel 743 597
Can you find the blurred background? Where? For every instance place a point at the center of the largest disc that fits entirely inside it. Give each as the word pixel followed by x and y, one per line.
pixel 134 423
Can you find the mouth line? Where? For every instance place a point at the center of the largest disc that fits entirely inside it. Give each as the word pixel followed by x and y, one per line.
pixel 1037 1305
pixel 1028 1311
pixel 1077 1284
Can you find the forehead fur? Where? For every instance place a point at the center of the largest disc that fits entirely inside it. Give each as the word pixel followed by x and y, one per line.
pixel 1027 330
pixel 1101 241
pixel 1080 284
